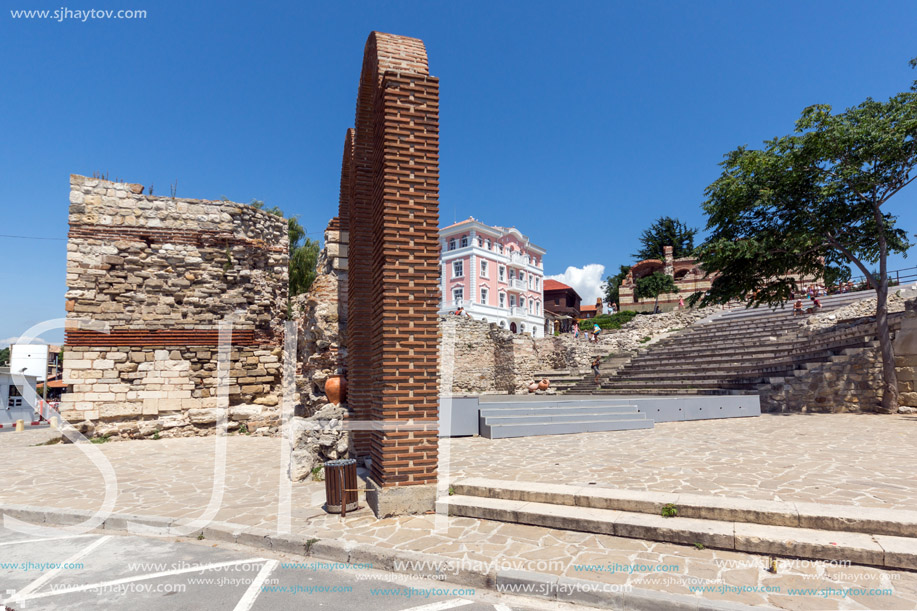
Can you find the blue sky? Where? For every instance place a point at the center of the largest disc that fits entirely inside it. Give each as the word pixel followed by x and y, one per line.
pixel 579 123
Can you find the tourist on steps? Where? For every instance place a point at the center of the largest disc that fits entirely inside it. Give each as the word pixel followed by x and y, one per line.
pixel 595 368
pixel 596 329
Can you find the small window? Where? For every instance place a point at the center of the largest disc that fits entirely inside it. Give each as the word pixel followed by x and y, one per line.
pixel 452 244
pixel 502 300
pixel 501 273
pixel 512 301
pixel 489 245
pixel 464 241
pixel 522 276
pixel 484 296
pixel 522 302
pixel 458 296
pixel 457 269
pixel 480 242
pixel 483 269
pixel 500 247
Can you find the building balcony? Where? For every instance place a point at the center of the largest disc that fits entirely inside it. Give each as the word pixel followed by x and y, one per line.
pixel 517 285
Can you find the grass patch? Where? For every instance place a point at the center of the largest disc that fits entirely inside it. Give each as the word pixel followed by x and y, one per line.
pixel 102 439
pixel 318 473
pixel 669 510
pixel 608 321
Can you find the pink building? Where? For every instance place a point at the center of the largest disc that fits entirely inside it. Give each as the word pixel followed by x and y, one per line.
pixel 496 274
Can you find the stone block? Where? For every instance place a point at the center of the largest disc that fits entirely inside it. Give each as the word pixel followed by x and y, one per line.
pixel 205 415
pixel 245 412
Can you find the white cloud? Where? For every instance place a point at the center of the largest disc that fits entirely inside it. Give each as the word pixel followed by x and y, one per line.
pixel 586 280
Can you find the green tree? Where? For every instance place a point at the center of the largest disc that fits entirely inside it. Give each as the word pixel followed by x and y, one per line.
pixel 4 357
pixel 303 251
pixel 653 286
pixel 613 285
pixel 666 231
pixel 812 202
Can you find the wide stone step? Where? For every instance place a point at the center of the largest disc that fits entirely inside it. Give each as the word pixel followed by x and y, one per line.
pixel 585 408
pixel 820 516
pixel 858 548
pixel 597 423
pixel 493 421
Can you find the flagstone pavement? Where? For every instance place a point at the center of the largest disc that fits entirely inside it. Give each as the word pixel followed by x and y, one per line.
pixel 838 458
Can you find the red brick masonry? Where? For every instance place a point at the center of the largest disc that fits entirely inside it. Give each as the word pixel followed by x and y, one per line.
pixel 390 205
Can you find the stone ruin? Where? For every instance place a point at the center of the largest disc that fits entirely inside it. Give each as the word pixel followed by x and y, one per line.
pixel 162 273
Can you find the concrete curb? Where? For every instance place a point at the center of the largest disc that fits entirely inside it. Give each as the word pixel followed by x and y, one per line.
pixel 515 582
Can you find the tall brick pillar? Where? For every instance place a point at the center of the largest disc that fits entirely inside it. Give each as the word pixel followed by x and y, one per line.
pixel 392 212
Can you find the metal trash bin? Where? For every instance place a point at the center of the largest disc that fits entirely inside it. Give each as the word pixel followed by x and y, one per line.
pixel 341 484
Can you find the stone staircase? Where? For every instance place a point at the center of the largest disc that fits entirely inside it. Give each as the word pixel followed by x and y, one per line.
pixel 861 535
pixel 732 352
pixel 499 420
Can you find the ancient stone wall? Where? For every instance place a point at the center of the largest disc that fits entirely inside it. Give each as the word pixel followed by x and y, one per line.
pixel 851 380
pixel 162 273
pixel 482 358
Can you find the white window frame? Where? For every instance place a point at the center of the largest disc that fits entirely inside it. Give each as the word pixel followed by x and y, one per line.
pixel 458 294
pixel 452 244
pixel 484 295
pixel 464 241
pixel 485 269
pixel 501 273
pixel 502 299
pixel 521 302
pixel 512 301
pixel 458 266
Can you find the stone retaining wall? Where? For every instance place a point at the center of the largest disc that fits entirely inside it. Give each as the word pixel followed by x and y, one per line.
pixel 851 381
pixel 161 274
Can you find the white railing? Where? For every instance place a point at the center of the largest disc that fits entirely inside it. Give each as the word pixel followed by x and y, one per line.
pixel 518 312
pixel 516 259
pixel 517 285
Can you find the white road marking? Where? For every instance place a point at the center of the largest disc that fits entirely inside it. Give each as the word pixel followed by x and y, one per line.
pixel 443 604
pixel 44 539
pixel 115 582
pixel 499 607
pixel 251 594
pixel 24 592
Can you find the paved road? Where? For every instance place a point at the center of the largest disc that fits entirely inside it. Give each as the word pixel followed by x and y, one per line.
pixel 125 572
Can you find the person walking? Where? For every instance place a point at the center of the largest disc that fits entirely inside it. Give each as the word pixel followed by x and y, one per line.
pixel 681 303
pixel 596 329
pixel 595 368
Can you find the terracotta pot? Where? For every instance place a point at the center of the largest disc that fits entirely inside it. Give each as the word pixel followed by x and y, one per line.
pixel 336 388
pixel 533 387
pixel 543 385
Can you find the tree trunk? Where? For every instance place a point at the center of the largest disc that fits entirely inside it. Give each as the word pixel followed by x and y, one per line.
pixel 889 376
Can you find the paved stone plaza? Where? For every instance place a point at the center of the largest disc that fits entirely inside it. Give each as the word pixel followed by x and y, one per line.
pixel 837 457
pixel 841 459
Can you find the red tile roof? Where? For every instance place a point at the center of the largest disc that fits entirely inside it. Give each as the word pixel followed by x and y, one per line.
pixel 554 285
pixel 587 308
